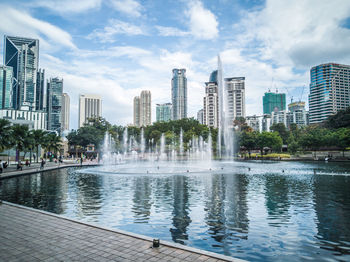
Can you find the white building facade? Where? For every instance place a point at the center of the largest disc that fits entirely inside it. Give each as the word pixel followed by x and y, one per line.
pixel 89 106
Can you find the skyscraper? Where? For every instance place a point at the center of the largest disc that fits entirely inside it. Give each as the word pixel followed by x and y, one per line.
pixel 54 104
pixel 179 93
pixel 298 114
pixel 5 87
pixel 40 86
pixel 200 116
pixel 137 111
pixel 211 102
pixel 90 106
pixel 164 112
pixel 65 111
pixel 329 90
pixel 142 109
pixel 22 55
pixel 235 88
pixel 145 108
pixel 274 102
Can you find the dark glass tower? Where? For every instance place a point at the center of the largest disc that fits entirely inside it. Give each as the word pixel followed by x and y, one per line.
pixel 5 87
pixel 179 93
pixel 22 54
pixel 54 104
pixel 40 85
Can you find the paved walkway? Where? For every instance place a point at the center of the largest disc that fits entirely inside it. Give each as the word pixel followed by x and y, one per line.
pixel 27 234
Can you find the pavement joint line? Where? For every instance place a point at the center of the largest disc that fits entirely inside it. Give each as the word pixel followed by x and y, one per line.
pixel 178 247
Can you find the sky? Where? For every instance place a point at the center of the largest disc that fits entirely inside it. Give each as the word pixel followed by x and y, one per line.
pixel 117 48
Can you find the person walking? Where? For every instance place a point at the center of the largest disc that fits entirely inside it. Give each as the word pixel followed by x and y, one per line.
pixel 1 166
pixel 42 163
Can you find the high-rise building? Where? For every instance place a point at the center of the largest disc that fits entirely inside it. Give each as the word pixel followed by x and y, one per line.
pixel 5 87
pixel 145 108
pixel 65 111
pixel 280 117
pixel 142 109
pixel 298 114
pixel 274 102
pixel 137 111
pixel 329 90
pixel 22 55
pixel 235 88
pixel 253 122
pixel 179 93
pixel 33 119
pixel 200 116
pixel 40 86
pixel 90 106
pixel 54 104
pixel 164 112
pixel 211 102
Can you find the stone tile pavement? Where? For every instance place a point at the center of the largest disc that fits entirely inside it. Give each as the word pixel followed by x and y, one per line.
pixel 27 234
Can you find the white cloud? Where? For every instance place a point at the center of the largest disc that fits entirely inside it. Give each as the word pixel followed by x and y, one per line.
pixel 171 31
pixel 115 27
pixel 128 7
pixel 202 22
pixel 21 23
pixel 67 6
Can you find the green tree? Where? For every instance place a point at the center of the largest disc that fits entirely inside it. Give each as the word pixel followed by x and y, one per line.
pixel 5 135
pixel 19 135
pixel 342 138
pixel 269 139
pixel 339 120
pixel 248 140
pixel 52 143
pixel 315 137
pixel 281 129
pixel 39 137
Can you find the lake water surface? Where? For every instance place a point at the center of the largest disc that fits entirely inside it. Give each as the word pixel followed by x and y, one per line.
pixel 259 211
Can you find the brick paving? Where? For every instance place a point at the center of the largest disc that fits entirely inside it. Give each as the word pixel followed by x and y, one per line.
pixel 32 235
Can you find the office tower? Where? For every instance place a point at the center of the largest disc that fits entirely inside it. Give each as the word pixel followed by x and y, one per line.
pixel 5 87
pixel 22 55
pixel 137 111
pixel 211 102
pixel 65 111
pixel 39 93
pixel 235 88
pixel 329 90
pixel 274 102
pixel 164 112
pixel 90 106
pixel 145 108
pixel 54 104
pixel 200 116
pixel 298 114
pixel 179 93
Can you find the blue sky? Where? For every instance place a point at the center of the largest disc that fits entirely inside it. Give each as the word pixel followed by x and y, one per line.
pixel 116 48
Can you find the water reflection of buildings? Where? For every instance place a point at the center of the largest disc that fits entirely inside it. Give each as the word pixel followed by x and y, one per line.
pixel 40 191
pixel 332 198
pixel 227 209
pixel 277 202
pixel 88 193
pixel 142 199
pixel 181 219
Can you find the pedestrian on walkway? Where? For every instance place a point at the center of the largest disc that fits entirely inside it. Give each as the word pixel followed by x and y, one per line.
pixel 42 163
pixel 19 165
pixel 1 166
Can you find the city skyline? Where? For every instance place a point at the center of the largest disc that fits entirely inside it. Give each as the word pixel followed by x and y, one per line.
pixel 143 41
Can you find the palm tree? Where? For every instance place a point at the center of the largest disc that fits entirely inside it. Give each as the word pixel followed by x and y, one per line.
pixel 39 139
pixel 5 134
pixel 52 142
pixel 20 137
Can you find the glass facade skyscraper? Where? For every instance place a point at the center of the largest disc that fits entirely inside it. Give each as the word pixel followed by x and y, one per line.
pixel 274 102
pixel 54 104
pixel 179 94
pixel 39 93
pixel 329 90
pixel 6 87
pixel 211 102
pixel 22 54
pixel 164 112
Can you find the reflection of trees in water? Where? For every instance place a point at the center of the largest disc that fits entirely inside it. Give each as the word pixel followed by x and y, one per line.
pixel 332 206
pixel 142 199
pixel 181 219
pixel 237 208
pixel 277 202
pixel 88 189
pixel 41 191
pixel 227 209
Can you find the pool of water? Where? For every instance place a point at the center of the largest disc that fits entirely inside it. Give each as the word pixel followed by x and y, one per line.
pixel 259 211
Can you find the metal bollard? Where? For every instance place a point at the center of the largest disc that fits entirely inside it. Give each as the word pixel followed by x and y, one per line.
pixel 156 242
